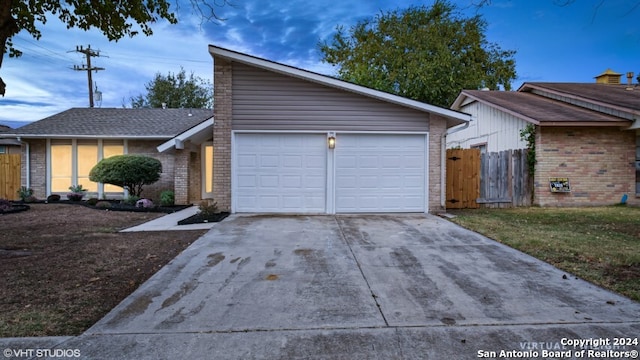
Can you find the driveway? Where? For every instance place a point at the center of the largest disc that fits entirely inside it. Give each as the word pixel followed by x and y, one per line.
pixel 356 286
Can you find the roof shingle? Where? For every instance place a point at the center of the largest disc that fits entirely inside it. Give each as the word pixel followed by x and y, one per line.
pixel 116 122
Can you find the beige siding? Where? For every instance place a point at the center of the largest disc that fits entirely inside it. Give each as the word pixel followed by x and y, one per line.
pixel 264 100
pixel 497 129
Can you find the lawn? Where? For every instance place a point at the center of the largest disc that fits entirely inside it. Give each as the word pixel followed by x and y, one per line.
pixel 65 266
pixel 601 245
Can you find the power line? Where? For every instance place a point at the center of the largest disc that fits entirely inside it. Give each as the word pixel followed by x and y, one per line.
pixel 89 53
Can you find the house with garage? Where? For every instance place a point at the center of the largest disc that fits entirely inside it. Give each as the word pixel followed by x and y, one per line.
pixel 279 140
pixel 286 140
pixel 60 150
pixel 587 142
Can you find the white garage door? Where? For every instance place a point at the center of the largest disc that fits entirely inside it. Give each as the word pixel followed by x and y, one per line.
pixel 380 173
pixel 280 173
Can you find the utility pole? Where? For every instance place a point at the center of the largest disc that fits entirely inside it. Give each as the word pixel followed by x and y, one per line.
pixel 88 68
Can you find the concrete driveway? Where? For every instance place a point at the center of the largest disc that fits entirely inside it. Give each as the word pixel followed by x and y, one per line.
pixel 356 286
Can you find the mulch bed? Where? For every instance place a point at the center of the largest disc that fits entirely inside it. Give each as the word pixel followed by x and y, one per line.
pixel 199 218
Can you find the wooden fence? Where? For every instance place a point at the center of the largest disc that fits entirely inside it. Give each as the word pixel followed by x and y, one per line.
pixel 499 179
pixel 9 176
pixel 463 178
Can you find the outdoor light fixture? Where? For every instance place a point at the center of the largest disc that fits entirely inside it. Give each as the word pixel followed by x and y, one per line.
pixel 331 141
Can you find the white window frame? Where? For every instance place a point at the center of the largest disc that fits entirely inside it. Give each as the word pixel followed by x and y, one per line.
pixel 74 162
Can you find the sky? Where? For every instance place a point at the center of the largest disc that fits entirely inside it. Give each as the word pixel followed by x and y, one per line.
pixel 554 40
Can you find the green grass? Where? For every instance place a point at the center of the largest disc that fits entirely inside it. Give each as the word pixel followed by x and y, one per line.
pixel 601 245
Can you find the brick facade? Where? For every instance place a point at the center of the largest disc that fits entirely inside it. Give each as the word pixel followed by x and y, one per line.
pixel 222 113
pixel 599 162
pixel 176 165
pixel 437 127
pixel 38 167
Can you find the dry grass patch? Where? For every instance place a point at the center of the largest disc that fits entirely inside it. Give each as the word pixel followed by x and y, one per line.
pixel 65 266
pixel 601 245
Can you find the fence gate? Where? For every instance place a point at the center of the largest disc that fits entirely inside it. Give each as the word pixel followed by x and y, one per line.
pixel 9 176
pixel 463 178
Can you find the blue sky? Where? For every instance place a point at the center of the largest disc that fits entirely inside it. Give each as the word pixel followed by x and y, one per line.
pixel 555 42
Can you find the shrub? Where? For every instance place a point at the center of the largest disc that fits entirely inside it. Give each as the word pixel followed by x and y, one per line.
pixel 5 205
pixel 167 198
pixel 92 201
pixel 77 192
pixel 144 203
pixel 207 209
pixel 131 200
pixel 131 172
pixel 24 193
pixel 103 204
pixel 53 198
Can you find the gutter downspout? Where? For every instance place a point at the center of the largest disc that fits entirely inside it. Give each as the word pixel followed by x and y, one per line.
pixel 443 160
pixel 28 162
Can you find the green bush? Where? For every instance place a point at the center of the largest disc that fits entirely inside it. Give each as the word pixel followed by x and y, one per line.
pixel 131 200
pixel 24 193
pixel 131 172
pixel 167 198
pixel 53 198
pixel 92 201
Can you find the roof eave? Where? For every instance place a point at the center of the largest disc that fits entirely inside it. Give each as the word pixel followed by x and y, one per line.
pixel 76 136
pixel 336 83
pixel 195 131
pixel 620 124
pixel 528 86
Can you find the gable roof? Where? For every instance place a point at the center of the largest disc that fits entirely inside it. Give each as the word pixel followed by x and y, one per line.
pixel 114 123
pixel 540 110
pixel 453 117
pixel 609 95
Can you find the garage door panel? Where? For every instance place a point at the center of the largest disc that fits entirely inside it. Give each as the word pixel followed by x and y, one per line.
pixel 291 173
pixel 380 173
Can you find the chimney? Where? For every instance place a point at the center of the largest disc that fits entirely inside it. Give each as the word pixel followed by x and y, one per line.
pixel 630 80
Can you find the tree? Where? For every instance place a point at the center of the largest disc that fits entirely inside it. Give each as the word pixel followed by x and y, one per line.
pixel 131 172
pixel 175 91
pixel 115 19
pixel 426 54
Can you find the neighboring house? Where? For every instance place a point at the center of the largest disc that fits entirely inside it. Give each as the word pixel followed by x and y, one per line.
pixel 585 132
pixel 288 140
pixel 60 150
pixel 8 146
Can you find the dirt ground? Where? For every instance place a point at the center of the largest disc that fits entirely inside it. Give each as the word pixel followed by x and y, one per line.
pixel 65 266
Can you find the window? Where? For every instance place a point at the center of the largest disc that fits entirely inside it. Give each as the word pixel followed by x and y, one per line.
pixel 61 166
pixel 71 162
pixel 482 147
pixel 3 149
pixel 207 170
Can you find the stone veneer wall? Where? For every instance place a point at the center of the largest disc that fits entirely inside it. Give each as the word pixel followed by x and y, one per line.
pixel 222 112
pixel 599 162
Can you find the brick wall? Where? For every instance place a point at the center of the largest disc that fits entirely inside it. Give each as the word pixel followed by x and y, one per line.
pixel 195 177
pixel 222 112
pixel 38 166
pixel 599 163
pixel 181 176
pixel 166 182
pixel 437 126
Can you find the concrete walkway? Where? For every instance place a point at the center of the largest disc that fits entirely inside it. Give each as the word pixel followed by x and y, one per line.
pixel 169 222
pixel 356 287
